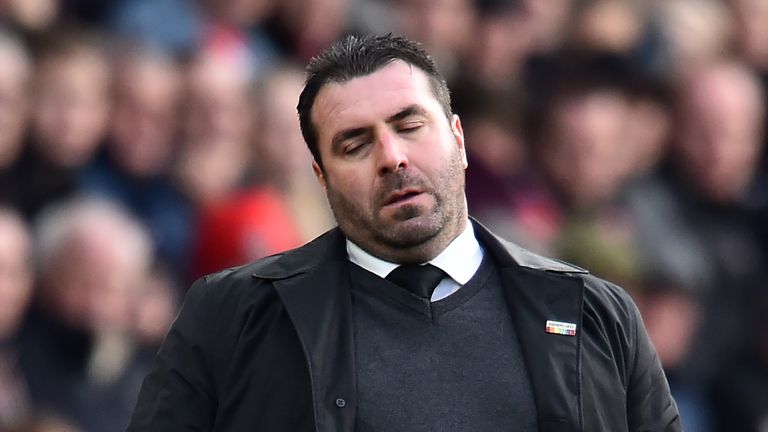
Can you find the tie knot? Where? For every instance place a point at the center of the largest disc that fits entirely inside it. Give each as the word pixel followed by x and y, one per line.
pixel 418 279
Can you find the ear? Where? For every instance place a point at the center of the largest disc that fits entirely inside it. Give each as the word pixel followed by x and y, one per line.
pixel 458 134
pixel 319 174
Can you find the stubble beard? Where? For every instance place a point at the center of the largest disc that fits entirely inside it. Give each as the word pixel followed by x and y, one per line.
pixel 412 233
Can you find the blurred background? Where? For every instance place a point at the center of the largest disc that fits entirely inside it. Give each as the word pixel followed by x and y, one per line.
pixel 144 143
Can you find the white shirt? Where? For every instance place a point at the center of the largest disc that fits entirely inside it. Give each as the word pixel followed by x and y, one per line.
pixel 459 260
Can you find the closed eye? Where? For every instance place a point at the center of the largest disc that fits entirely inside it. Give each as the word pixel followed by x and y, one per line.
pixel 354 148
pixel 409 127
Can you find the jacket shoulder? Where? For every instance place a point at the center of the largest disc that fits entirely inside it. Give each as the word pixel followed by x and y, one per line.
pixel 511 254
pixel 608 298
pixel 279 266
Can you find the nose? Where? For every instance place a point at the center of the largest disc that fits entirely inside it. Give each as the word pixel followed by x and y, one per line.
pixel 391 153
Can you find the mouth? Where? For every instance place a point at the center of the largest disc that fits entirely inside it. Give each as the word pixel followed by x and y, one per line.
pixel 400 197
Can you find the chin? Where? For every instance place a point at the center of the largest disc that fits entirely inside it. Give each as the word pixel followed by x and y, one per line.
pixel 412 232
pixel 408 213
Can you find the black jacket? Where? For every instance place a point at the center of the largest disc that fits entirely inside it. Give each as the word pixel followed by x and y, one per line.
pixel 268 347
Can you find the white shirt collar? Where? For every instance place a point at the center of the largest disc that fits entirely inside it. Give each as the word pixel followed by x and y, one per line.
pixel 460 259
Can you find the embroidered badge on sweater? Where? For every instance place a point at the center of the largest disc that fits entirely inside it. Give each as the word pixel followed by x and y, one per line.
pixel 561 328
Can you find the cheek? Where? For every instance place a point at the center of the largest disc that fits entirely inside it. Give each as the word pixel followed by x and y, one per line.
pixel 444 165
pixel 353 189
pixel 353 179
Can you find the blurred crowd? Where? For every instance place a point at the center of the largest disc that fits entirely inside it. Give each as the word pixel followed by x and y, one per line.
pixel 144 143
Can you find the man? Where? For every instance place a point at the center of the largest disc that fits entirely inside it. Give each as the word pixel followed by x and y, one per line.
pixel 77 346
pixel 317 339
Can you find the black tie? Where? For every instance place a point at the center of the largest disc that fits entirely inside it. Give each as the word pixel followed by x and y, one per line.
pixel 418 279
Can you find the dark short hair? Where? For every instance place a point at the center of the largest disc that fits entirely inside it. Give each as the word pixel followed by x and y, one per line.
pixel 357 56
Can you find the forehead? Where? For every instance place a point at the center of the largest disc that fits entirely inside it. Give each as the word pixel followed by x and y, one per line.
pixel 364 100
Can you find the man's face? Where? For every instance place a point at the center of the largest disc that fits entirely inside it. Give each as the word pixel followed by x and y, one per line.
pixel 720 133
pixel 393 164
pixel 72 106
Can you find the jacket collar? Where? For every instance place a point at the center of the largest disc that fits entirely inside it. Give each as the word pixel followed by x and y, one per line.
pixel 301 260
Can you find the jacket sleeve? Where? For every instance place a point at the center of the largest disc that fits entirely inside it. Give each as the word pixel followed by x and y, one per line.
pixel 650 406
pixel 178 394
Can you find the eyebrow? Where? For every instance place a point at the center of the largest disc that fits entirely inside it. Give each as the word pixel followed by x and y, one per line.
pixel 348 134
pixel 407 112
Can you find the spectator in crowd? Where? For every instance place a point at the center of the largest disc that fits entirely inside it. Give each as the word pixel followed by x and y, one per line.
pixel 648 127
pixel 718 192
pixel 721 111
pixel 214 155
pixel 499 49
pixel 301 28
pixel 247 225
pixel 695 32
pixel 580 131
pixel 135 166
pixel 16 278
pixel 15 86
pixel 77 348
pixel 281 158
pixel 752 43
pixel 72 99
pixel 445 27
pixel 239 219
pixel 15 108
pixel 70 117
pixel 502 190
pixel 145 115
pixel 615 26
pixel 549 23
pixel 672 313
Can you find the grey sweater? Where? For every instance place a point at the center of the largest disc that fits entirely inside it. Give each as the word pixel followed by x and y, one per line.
pixel 450 365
